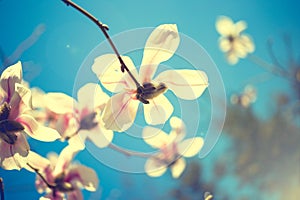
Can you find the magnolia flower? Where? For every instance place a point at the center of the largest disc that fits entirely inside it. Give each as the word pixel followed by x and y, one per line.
pixel 15 120
pixel 57 177
pixel 121 109
pixel 232 42
pixel 81 119
pixel 172 149
pixel 40 112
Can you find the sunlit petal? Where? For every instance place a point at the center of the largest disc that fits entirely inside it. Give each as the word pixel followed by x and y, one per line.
pixel 120 112
pixel 64 159
pixel 155 137
pixel 224 25
pixel 248 43
pixel 87 177
pixel 9 77
pixel 36 161
pixel 158 110
pixel 37 131
pixel 190 147
pixel 155 168
pixel 232 58
pixel 101 137
pixel 91 95
pixel 77 141
pixel 14 156
pixel 59 103
pixel 160 46
pixel 186 84
pixel 37 97
pixel 108 69
pixel 178 167
pixel 240 26
pixel 224 44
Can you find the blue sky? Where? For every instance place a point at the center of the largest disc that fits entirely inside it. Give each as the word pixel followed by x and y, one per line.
pixel 69 38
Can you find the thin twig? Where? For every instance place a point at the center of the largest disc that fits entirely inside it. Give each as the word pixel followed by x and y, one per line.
pixel 129 153
pixel 1 189
pixel 104 28
pixel 267 66
pixel 42 177
pixel 272 55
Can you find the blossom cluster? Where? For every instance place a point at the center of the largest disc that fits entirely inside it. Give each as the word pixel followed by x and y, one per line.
pixel 95 115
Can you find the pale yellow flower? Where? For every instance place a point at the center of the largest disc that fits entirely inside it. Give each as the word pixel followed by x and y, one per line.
pixel 232 41
pixel 172 149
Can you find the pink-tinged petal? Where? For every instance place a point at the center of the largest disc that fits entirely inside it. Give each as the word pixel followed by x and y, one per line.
pixel 186 84
pixel 9 77
pixel 75 195
pixel 160 46
pixel 64 159
pixel 101 137
pixel 86 176
pixel 120 112
pixel 60 103
pixel 36 161
pixel 155 137
pixel 190 147
pixel 14 156
pixel 108 69
pixel 58 196
pixel 37 131
pixel 154 167
pixel 225 26
pixel 20 101
pixel 178 167
pixel 158 110
pixel 91 96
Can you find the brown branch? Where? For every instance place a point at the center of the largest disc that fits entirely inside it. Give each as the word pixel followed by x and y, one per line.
pixel 104 28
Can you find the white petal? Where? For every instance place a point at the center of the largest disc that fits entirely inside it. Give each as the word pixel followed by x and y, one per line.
pixel 154 168
pixel 59 103
pixel 64 159
pixel 224 44
pixel 178 167
pixel 240 26
pixel 101 137
pixel 36 161
pixel 77 141
pixel 91 95
pixel 108 69
pixel 190 147
pixel 155 137
pixel 160 46
pixel 9 77
pixel 186 84
pixel 225 26
pixel 248 43
pixel 158 111
pixel 87 177
pixel 120 111
pixel 232 58
pixel 37 131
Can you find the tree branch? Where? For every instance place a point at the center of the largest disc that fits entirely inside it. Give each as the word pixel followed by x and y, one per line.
pixel 104 28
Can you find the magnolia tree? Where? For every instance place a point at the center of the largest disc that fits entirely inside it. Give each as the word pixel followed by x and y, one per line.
pixel 98 116
pixel 101 111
